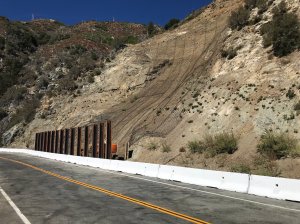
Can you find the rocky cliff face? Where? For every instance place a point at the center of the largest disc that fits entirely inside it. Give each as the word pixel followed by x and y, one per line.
pixel 178 86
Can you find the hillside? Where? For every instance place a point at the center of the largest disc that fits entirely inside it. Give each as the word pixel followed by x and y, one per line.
pixel 202 78
pixel 43 59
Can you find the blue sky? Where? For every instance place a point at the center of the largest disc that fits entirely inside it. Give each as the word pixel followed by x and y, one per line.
pixel 75 11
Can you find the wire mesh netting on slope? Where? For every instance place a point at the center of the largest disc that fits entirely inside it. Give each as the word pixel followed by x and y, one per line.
pixel 157 108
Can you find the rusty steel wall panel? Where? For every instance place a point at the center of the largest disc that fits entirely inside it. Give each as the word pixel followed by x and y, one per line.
pixel 52 141
pixel 56 142
pixel 40 142
pixel 47 140
pixel 61 142
pixel 86 140
pixel 101 140
pixel 36 142
pixel 79 141
pixel 67 141
pixel 95 137
pixel 72 141
pixel 108 140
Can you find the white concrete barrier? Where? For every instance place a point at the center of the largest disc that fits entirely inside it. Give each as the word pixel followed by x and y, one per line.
pixel 166 172
pixel 274 187
pixel 217 179
pixel 279 188
pixel 151 170
pixel 105 164
pixel 114 165
pixel 131 167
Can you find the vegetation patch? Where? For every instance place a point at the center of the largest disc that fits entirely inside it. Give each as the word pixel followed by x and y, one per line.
pixel 215 144
pixel 26 113
pixel 278 145
pixel 196 146
pixel 152 146
pixel 241 168
pixel 3 114
pixel 165 148
pixel 239 18
pixel 173 23
pixel 229 53
pixel 297 106
pixel 283 32
pixel 266 167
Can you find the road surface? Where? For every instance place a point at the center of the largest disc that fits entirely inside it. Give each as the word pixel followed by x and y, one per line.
pixel 35 190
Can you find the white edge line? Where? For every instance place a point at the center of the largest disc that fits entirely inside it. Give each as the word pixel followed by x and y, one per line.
pixel 191 189
pixel 13 205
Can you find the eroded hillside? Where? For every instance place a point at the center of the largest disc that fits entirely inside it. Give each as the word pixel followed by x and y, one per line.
pixel 180 86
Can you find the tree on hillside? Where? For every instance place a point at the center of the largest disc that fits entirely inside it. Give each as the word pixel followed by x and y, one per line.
pixel 151 29
pixel 239 18
pixel 283 32
pixel 172 24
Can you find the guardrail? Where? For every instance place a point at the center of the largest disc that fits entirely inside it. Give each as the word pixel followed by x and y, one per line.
pixel 63 141
pixel 272 187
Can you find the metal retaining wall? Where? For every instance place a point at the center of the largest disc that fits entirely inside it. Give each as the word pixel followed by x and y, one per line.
pixel 96 141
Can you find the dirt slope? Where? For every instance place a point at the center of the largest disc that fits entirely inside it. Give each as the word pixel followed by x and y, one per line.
pixel 186 56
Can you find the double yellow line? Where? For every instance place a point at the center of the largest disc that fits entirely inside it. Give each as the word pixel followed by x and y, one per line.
pixel 114 194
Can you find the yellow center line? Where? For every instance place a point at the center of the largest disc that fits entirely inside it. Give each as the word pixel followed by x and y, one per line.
pixel 114 194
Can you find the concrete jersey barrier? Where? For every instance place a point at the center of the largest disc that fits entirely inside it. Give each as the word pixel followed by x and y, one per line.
pixel 273 187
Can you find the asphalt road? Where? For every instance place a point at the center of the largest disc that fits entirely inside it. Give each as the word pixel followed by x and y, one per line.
pixel 47 191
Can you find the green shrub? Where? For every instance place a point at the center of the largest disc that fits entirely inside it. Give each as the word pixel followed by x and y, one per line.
pixel 230 53
pixel 166 147
pixel 282 32
pixel 94 56
pixel 214 145
pixel 77 50
pixel 277 145
pixel 43 38
pixel 20 39
pixel 26 113
pixel 196 146
pixel 58 37
pixel 266 167
pixel 173 23
pixel 10 74
pixel 241 168
pixel 67 83
pixel 297 106
pixel 224 143
pixel 131 40
pixel 239 18
pixel 91 79
pixel 152 146
pixel 15 94
pixel 262 5
pixel 290 94
pixel 43 82
pixel 151 29
pixel 2 43
pixel 3 114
